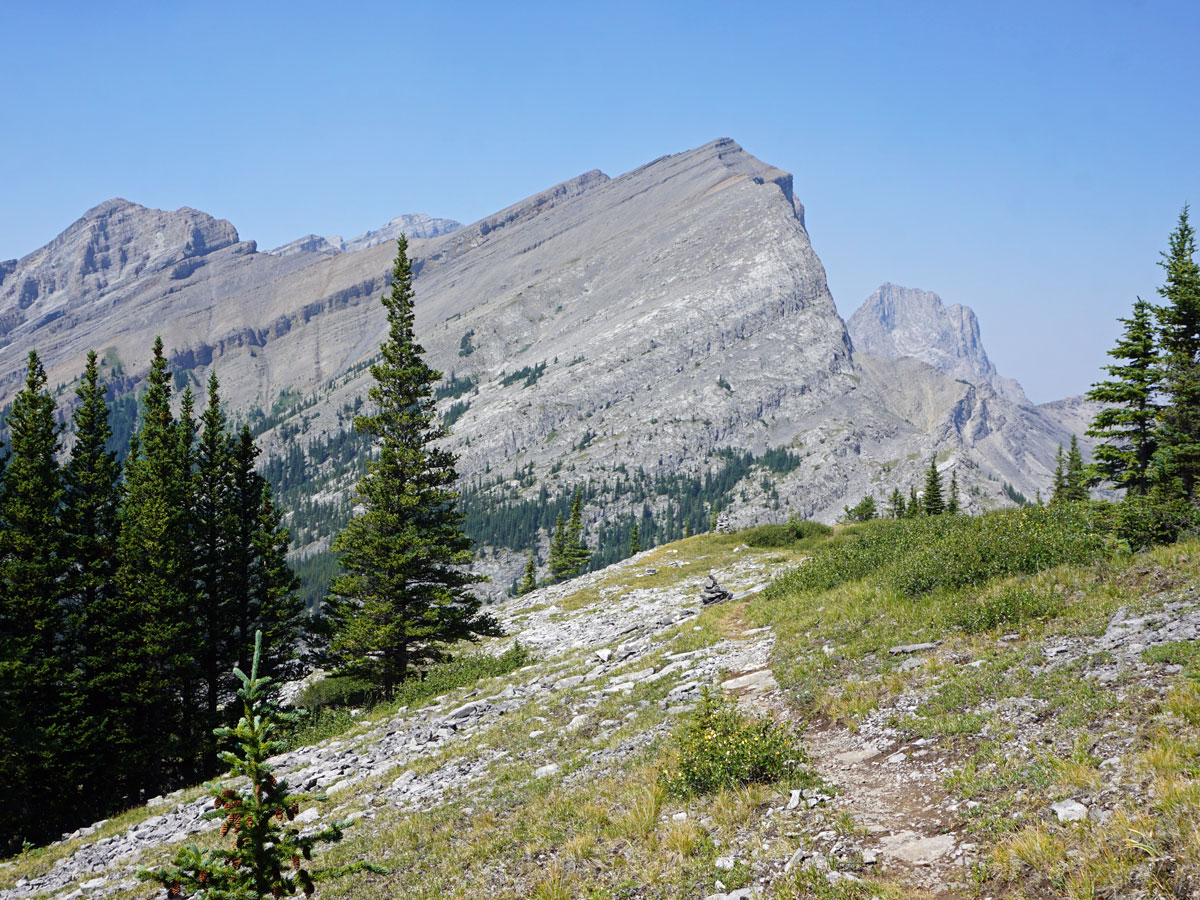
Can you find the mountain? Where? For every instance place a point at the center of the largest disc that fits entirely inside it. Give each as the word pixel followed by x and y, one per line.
pixel 418 225
pixel 664 341
pixel 895 322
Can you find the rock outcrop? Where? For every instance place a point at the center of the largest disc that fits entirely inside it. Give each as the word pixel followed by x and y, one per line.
pixel 417 225
pixel 895 322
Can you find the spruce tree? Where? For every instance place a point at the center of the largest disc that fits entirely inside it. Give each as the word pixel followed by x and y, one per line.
pixel 529 579
pixel 1127 425
pixel 1058 487
pixel 952 500
pixel 913 509
pixel 35 709
pixel 1179 339
pixel 1075 478
pixel 213 530
pixel 266 854
pixel 89 522
pixel 635 541
pixel 896 508
pixel 933 503
pixel 576 553
pixel 406 592
pixel 155 673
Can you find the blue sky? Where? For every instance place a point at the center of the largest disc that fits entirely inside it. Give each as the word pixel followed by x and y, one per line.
pixel 1026 159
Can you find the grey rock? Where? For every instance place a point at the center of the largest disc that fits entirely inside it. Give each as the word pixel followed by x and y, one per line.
pixel 896 322
pixel 713 592
pixel 1069 810
pixel 546 770
pixel 912 648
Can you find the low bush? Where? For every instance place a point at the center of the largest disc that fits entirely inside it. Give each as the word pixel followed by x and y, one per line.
pixel 916 556
pixel 461 672
pixel 719 747
pixel 1011 605
pixel 1143 522
pixel 784 535
pixel 337 691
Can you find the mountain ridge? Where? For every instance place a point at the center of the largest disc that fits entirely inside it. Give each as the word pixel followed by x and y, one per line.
pixel 604 327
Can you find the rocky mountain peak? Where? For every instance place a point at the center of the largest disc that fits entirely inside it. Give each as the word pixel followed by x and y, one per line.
pixel 415 225
pixel 896 322
pixel 113 242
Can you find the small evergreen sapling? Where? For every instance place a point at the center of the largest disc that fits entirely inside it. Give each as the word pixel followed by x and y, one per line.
pixel 267 854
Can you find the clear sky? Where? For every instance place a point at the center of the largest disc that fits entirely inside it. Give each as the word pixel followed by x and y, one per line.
pixel 1026 159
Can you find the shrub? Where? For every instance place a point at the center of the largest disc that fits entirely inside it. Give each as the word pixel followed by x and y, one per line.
pixel 457 673
pixel 1011 605
pixel 1005 543
pixel 916 556
pixel 783 535
pixel 1143 522
pixel 719 747
pixel 337 691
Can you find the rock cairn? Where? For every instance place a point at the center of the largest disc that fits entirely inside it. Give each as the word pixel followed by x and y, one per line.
pixel 713 592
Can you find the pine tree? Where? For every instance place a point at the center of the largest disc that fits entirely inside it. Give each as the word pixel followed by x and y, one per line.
pixel 213 527
pixel 952 500
pixel 33 667
pixel 155 672
pixel 1075 479
pixel 529 579
pixel 1127 424
pixel 1058 487
pixel 635 541
pixel 1179 339
pixel 266 855
pixel 405 592
pixel 933 503
pixel 89 523
pixel 863 511
pixel 576 555
pixel 896 507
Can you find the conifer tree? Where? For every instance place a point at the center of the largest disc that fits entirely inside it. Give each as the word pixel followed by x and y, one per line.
pixel 952 500
pixel 1076 475
pixel 406 592
pixel 933 503
pixel 266 855
pixel 576 554
pixel 213 527
pixel 1058 487
pixel 1179 339
pixel 154 678
pixel 529 579
pixel 914 504
pixel 1126 426
pixel 89 521
pixel 896 507
pixel 34 722
pixel 635 541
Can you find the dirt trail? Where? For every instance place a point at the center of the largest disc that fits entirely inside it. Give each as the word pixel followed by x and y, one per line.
pixel 895 792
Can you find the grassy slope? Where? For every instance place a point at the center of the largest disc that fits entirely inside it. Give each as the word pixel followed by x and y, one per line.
pixel 1018 729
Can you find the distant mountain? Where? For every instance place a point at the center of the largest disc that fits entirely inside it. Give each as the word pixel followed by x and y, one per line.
pixel 895 322
pixel 418 225
pixel 664 341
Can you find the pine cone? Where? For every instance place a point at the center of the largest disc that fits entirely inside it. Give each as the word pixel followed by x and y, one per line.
pixel 295 861
pixel 174 890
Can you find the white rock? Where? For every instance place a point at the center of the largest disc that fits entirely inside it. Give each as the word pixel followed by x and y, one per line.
pixel 1069 810
pixel 546 770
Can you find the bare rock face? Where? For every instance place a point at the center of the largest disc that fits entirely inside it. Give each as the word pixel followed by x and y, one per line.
pixel 417 225
pixel 112 245
pixel 895 322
